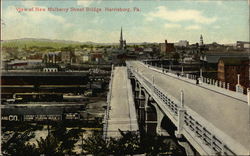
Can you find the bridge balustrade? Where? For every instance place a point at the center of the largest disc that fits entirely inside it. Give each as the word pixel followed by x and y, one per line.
pixel 208 81
pixel 172 105
pixel 206 136
pixel 106 115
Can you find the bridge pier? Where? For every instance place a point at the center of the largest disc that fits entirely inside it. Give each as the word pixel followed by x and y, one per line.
pixel 141 101
pixel 149 115
pixel 150 120
pixel 160 115
pixel 146 113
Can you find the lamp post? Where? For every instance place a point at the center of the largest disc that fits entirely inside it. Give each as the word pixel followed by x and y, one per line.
pixel 201 73
pixel 182 98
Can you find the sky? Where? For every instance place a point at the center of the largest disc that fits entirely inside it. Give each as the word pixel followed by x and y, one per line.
pixel 155 21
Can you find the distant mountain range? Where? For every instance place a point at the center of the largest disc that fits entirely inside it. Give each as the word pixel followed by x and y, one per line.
pixel 66 41
pixel 46 40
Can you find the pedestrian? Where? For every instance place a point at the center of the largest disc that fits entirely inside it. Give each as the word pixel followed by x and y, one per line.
pixel 197 80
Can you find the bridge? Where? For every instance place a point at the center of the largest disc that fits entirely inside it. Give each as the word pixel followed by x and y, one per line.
pixel 212 119
pixel 120 113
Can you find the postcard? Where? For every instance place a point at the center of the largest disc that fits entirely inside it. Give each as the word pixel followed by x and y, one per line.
pixel 136 77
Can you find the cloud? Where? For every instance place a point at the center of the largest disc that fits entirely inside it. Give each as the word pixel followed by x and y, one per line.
pixel 171 25
pixel 97 20
pixel 28 3
pixel 216 27
pixel 219 2
pixel 180 15
pixel 33 24
pixel 86 3
pixel 193 27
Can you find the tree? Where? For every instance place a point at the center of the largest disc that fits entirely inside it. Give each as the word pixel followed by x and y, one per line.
pixel 95 145
pixel 128 143
pixel 17 145
pixel 176 56
pixel 66 138
pixel 48 146
pixel 155 145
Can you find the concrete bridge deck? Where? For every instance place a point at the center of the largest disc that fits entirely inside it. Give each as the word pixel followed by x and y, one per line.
pixel 122 113
pixel 227 113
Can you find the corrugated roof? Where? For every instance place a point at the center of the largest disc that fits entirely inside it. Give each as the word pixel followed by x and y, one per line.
pixel 234 60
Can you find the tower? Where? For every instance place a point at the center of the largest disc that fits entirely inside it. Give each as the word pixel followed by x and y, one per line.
pixel 121 40
pixel 201 41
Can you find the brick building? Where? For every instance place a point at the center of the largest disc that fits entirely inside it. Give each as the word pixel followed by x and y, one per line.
pixel 229 68
pixel 166 47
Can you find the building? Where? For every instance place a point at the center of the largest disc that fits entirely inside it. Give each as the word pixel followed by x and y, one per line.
pixel 182 43
pixel 166 47
pixel 36 56
pixel 229 68
pixel 97 57
pixel 50 69
pixel 67 57
pixel 212 57
pixel 24 64
pixel 148 50
pixel 201 41
pixel 243 45
pixel 52 58
pixel 85 57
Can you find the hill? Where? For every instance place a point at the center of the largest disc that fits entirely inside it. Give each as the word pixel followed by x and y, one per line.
pixel 32 42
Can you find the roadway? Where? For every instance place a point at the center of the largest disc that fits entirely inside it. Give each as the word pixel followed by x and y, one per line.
pixel 122 114
pixel 227 113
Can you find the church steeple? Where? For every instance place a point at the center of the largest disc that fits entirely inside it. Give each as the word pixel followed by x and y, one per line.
pixel 121 37
pixel 122 42
pixel 201 41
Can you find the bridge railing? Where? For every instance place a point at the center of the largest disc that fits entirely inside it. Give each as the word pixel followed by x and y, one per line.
pixel 206 136
pixel 169 101
pixel 106 115
pixel 211 84
pixel 193 78
pixel 199 131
